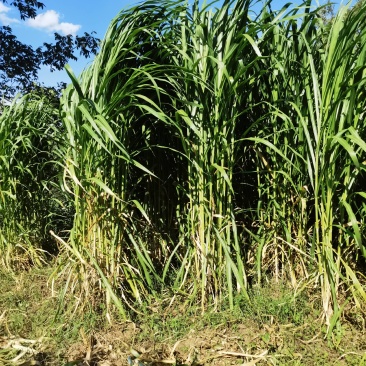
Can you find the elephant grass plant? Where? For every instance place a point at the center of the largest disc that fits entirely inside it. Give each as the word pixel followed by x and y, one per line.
pixel 208 149
pixel 311 175
pixel 31 203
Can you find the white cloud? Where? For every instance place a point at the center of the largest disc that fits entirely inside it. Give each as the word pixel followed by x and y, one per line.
pixel 3 8
pixel 50 22
pixel 4 19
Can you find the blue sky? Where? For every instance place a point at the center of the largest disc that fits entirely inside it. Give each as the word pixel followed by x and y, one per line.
pixel 69 16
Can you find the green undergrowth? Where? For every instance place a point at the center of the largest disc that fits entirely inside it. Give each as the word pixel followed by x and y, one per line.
pixel 271 304
pixel 287 327
pixel 29 309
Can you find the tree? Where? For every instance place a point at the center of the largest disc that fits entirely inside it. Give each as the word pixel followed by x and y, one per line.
pixel 328 12
pixel 20 63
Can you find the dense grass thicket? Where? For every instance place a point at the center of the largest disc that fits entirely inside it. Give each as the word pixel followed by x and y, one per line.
pixel 205 150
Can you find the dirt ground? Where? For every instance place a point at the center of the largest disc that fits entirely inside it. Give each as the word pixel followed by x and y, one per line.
pixel 239 344
pixel 236 343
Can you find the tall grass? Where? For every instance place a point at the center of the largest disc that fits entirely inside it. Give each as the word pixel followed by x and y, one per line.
pixel 210 149
pixel 31 202
pixel 312 210
pixel 112 140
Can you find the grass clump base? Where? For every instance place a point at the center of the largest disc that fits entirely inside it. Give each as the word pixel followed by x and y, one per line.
pixel 275 328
